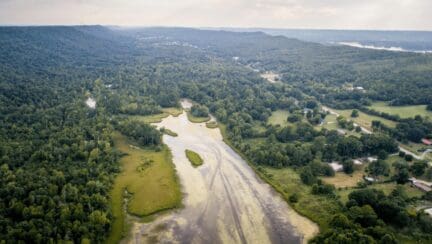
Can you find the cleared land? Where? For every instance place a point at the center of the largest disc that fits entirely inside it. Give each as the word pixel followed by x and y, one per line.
pixel 149 177
pixel 365 120
pixel 279 117
pixel 344 180
pixel 194 158
pixel 330 122
pixel 387 188
pixel 286 181
pixel 270 76
pixel 402 111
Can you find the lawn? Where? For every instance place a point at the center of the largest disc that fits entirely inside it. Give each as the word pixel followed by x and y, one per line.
pixel 194 158
pixel 402 111
pixel 365 120
pixel 279 117
pixel 330 122
pixel 341 180
pixel 149 176
pixel 387 188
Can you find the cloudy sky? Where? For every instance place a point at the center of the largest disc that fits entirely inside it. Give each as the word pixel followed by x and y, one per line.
pixel 329 14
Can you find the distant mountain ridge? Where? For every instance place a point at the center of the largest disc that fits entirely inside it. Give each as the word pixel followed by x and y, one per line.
pixel 415 41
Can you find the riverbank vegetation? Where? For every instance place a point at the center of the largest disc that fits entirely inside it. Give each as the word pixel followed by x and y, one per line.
pixel 168 132
pixel 212 125
pixel 147 184
pixel 194 158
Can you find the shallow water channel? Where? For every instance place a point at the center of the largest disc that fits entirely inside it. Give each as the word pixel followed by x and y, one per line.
pixel 224 201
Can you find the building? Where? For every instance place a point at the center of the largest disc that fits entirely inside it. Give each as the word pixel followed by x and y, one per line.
pixel 420 184
pixel 428 211
pixel 426 141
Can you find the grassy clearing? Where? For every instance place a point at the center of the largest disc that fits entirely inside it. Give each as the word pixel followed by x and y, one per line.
pixel 365 120
pixel 330 122
pixel 279 117
pixel 194 158
pixel 286 181
pixel 194 119
pixel 341 179
pixel 387 188
pixel 212 125
pixel 402 111
pixel 149 176
pixel 157 118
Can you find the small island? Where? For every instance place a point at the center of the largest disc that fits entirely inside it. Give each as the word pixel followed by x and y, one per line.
pixel 198 114
pixel 194 158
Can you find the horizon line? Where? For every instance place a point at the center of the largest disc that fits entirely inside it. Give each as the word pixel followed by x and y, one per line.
pixel 216 27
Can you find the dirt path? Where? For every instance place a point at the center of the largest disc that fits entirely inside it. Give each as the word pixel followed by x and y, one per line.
pixel 225 202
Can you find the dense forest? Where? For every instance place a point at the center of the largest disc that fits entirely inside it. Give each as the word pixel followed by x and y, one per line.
pixel 56 153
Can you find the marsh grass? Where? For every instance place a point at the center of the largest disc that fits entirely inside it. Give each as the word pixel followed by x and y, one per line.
pixel 194 158
pixel 150 179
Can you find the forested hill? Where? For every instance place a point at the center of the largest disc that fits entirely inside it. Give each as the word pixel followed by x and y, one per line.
pixel 403 78
pixel 52 47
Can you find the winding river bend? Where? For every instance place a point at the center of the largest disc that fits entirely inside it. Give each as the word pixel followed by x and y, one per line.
pixel 224 201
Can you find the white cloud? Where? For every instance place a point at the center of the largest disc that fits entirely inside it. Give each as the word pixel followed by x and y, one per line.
pixel 334 14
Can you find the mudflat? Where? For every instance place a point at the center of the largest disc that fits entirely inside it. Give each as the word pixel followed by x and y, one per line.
pixel 224 200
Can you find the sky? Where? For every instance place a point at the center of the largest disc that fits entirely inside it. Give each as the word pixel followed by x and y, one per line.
pixel 315 14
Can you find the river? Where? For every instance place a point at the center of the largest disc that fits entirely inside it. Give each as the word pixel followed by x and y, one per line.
pixel 224 201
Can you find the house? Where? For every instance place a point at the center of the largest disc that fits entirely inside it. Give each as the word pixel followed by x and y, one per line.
pixel 357 162
pixel 369 179
pixel 427 142
pixel 372 159
pixel 336 166
pixel 428 211
pixel 420 184
pixel 341 132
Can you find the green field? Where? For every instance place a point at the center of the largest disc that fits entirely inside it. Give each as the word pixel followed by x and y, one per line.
pixel 319 209
pixel 330 122
pixel 149 176
pixel 194 158
pixel 341 179
pixel 387 188
pixel 402 111
pixel 279 117
pixel 365 120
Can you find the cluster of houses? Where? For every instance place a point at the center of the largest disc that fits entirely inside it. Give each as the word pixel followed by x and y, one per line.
pixel 337 167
